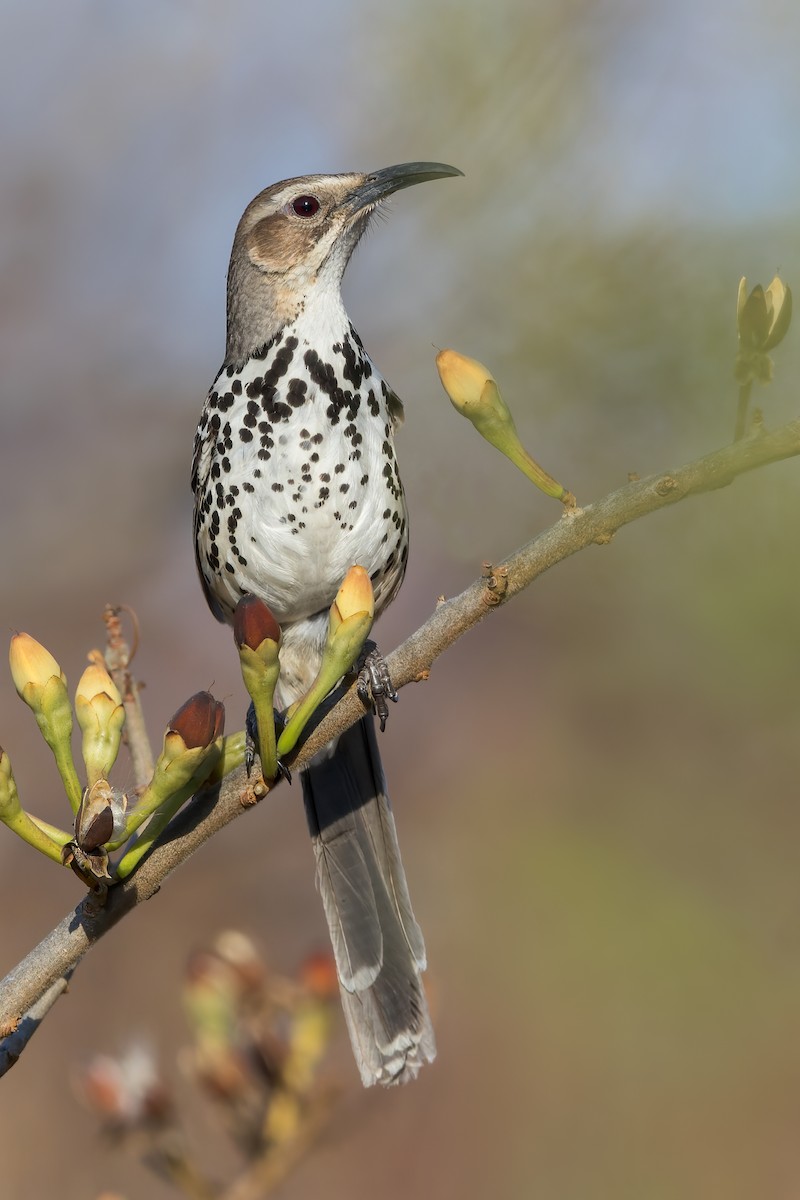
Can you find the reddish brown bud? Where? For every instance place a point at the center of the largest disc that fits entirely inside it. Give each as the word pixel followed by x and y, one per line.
pixel 253 623
pixel 318 975
pixel 199 721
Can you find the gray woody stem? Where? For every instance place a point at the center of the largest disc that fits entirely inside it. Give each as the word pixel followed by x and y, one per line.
pixel 208 812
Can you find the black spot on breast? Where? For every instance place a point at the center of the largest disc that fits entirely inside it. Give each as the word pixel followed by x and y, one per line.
pixel 296 392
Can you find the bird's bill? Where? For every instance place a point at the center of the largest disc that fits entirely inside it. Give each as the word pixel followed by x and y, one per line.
pixel 380 184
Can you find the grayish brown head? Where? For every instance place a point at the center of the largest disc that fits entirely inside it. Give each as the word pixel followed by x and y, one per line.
pixel 294 242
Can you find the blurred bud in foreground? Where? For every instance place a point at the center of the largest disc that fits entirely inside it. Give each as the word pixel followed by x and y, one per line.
pixel 211 1005
pixel 310 1028
pixel 258 638
pixel 243 959
pixel 763 317
pixel 318 975
pixel 349 623
pixel 41 683
pixel 101 716
pixel 474 393
pixel 126 1092
pixel 762 322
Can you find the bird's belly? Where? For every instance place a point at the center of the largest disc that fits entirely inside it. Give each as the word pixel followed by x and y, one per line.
pixel 316 512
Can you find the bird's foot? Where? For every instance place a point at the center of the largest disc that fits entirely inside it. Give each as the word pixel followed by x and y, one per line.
pixel 374 685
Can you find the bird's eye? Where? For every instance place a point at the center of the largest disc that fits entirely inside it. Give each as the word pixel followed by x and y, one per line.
pixel 305 206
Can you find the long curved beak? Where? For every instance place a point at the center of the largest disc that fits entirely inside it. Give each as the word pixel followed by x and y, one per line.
pixel 380 184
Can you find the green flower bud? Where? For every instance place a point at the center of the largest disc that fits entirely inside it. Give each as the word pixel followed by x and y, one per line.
pixel 349 623
pixel 101 716
pixel 192 747
pixel 14 816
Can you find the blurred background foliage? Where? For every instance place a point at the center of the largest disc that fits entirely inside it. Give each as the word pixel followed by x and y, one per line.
pixel 596 792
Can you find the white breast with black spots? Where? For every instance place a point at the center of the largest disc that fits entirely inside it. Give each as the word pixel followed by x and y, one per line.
pixel 296 478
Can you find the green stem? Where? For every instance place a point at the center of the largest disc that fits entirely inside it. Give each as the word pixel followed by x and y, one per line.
pixel 28 829
pixel 59 836
pixel 741 410
pixel 155 827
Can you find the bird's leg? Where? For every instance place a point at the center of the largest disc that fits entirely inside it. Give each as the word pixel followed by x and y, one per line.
pixel 374 683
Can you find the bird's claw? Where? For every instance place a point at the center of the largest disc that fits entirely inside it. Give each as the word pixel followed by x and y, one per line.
pixel 250 739
pixel 374 686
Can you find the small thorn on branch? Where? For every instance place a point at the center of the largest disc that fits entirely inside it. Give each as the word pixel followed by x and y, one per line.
pixel 665 485
pixel 496 584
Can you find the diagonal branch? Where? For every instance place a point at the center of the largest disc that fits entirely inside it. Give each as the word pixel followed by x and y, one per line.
pixel 212 809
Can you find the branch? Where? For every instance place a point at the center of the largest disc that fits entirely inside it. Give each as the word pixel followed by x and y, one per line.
pixel 214 808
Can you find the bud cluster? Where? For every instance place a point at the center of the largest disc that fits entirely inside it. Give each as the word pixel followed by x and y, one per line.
pixel 101 821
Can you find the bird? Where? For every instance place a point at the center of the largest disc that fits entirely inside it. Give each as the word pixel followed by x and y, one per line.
pixel 295 480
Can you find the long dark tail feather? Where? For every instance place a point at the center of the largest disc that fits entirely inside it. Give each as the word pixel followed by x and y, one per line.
pixel 377 943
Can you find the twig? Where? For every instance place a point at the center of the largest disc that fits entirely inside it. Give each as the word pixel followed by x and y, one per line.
pixel 210 811
pixel 741 410
pixel 12 1046
pixel 276 1162
pixel 118 658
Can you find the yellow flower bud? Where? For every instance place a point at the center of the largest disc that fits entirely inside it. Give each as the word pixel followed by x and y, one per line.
pixel 355 597
pixel 32 667
pixel 41 683
pixel 462 378
pixel 474 393
pixel 101 716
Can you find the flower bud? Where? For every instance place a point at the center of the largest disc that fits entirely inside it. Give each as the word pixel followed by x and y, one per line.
pixel 253 623
pixel 41 683
pixel 101 716
pixel 18 821
pixel 474 393
pixel 349 623
pixel 355 597
pixel 198 722
pixel 462 378
pixel 191 751
pixel 318 975
pixel 258 637
pixel 125 1092
pixel 9 796
pixel 763 317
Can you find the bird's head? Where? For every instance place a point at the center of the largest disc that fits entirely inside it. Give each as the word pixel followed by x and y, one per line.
pixel 296 238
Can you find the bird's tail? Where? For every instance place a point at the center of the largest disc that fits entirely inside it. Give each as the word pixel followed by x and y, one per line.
pixel 377 942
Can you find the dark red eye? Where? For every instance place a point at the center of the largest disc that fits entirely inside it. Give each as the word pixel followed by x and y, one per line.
pixel 305 206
